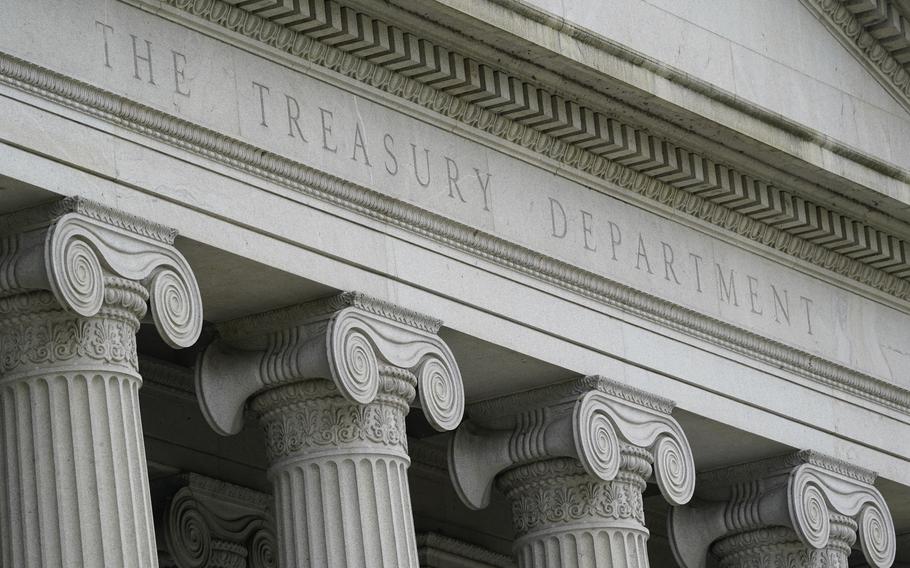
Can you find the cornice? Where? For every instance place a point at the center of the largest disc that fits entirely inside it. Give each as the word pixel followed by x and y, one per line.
pixel 878 33
pixel 587 139
pixel 311 182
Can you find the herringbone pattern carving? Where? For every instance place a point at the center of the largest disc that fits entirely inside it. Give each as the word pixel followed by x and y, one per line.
pixel 566 120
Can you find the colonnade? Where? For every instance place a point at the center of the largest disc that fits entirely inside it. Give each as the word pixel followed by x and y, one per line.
pixel 330 383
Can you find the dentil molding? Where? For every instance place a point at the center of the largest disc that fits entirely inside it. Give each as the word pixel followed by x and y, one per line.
pixel 803 505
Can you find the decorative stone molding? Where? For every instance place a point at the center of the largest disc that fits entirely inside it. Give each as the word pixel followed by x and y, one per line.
pixel 362 47
pixel 75 278
pixel 573 459
pixel 330 383
pixel 72 240
pixel 343 339
pixel 213 524
pixel 878 33
pixel 438 551
pixel 803 506
pixel 309 181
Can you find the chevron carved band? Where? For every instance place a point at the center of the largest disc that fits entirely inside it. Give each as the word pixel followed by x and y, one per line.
pixel 569 123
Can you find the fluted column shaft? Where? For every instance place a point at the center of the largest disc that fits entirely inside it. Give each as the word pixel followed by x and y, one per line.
pixel 339 470
pixel 566 518
pixel 75 277
pixel 331 382
pixel 73 480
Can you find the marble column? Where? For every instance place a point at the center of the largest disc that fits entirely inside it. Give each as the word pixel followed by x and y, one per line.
pixel 798 510
pixel 75 278
pixel 330 383
pixel 573 459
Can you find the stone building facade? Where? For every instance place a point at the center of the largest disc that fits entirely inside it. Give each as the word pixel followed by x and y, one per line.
pixel 454 284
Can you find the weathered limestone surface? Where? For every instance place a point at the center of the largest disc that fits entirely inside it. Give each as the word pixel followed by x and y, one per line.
pixel 261 104
pixel 574 459
pixel 803 509
pixel 75 278
pixel 330 383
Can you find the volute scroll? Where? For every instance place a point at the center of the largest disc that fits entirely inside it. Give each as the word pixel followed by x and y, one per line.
pixel 345 339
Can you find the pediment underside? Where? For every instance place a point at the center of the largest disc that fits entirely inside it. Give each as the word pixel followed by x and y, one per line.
pixel 877 34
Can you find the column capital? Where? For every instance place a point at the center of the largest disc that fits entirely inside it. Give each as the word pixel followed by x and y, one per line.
pixel 75 248
pixel 814 495
pixel 207 522
pixel 345 338
pixel 588 419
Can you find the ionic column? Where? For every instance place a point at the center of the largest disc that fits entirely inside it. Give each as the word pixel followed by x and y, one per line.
pixel 204 522
pixel 574 459
pixel 330 382
pixel 799 510
pixel 75 278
